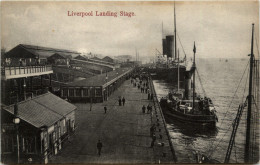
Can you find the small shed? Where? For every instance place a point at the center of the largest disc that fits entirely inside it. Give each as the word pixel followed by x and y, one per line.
pixel 45 122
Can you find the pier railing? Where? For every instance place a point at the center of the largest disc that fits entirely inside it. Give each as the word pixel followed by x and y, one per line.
pixel 23 71
pixel 156 101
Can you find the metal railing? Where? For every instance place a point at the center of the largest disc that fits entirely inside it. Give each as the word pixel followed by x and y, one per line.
pixel 157 105
pixel 13 70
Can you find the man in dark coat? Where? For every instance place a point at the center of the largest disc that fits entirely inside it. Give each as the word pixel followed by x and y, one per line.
pixel 105 109
pixel 143 108
pixel 119 101
pixel 123 100
pixel 99 147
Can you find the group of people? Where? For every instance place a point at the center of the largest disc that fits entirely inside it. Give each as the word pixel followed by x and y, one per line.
pixel 121 101
pixel 149 108
pixel 152 134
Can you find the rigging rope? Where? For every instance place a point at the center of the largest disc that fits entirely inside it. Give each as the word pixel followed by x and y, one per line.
pixel 182 46
pixel 203 90
pixel 257 46
pixel 214 148
pixel 234 95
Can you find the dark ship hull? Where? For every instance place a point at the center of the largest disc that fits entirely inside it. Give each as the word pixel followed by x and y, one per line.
pixel 205 120
pixel 170 75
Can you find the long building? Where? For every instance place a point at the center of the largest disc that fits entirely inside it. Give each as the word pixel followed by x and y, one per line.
pixel 97 88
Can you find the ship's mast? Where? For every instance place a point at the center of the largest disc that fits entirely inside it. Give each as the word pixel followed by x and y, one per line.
pixel 248 130
pixel 194 67
pixel 162 36
pixel 175 44
pixel 178 71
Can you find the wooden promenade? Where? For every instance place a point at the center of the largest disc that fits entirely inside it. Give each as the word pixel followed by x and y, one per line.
pixel 124 132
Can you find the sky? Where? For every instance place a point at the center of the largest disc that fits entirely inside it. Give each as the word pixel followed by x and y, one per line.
pixel 221 29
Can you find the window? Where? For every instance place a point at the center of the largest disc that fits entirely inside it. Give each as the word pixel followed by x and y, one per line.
pixel 65 92
pixel 7 144
pixel 98 92
pixel 71 92
pixel 78 92
pixel 29 144
pixel 85 92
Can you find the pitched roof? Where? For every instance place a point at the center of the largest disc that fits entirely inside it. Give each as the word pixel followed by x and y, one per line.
pixel 42 52
pixel 80 57
pixel 99 80
pixel 62 55
pixel 96 58
pixel 42 110
pixel 107 58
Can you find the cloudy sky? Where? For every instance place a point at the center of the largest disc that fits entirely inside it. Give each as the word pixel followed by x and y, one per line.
pixel 221 29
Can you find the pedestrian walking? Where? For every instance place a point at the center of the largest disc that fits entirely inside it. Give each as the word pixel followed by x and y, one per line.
pixel 119 100
pixel 153 140
pixel 148 96
pixel 99 147
pixel 105 109
pixel 151 96
pixel 123 100
pixel 143 108
pixel 148 108
pixel 146 89
pixel 152 130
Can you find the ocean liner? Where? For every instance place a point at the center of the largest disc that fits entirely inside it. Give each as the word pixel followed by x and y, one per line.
pixel 168 63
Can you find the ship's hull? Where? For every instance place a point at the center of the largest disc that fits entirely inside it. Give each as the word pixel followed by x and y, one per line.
pixel 207 120
pixel 168 74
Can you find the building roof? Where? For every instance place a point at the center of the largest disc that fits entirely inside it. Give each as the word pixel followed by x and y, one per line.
pixel 43 110
pixel 107 58
pixel 80 57
pixel 96 58
pixel 32 51
pixel 61 56
pixel 100 80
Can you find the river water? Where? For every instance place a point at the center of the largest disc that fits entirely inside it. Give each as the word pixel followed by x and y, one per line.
pixel 220 80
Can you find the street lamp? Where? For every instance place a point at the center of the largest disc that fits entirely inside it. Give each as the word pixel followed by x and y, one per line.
pixel 16 121
pixel 117 78
pixel 107 86
pixel 90 108
pixel 24 88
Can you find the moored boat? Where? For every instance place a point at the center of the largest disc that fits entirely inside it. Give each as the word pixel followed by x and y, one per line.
pixel 192 109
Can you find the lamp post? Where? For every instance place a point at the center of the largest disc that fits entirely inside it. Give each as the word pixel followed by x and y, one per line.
pixel 90 108
pixel 107 87
pixel 16 121
pixel 24 89
pixel 117 78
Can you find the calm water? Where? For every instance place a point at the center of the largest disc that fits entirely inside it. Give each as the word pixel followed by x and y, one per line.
pixel 220 80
